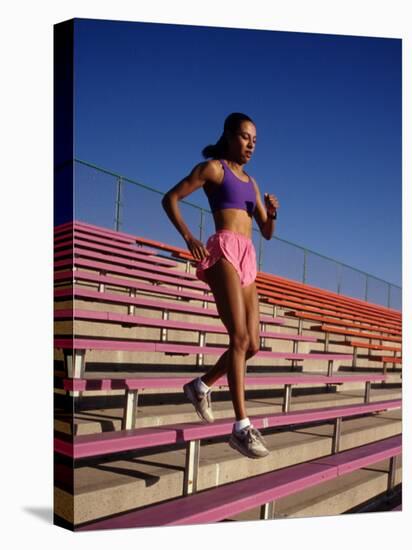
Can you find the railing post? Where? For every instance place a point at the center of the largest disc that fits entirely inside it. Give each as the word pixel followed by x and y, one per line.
pixel 389 294
pixel 304 265
pixel 260 253
pixel 366 289
pixel 201 226
pixel 117 220
pixel 339 278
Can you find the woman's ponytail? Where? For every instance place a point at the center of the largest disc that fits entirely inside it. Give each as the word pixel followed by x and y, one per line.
pixel 217 150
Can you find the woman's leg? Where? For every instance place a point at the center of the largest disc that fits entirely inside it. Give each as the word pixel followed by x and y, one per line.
pixel 251 302
pixel 225 285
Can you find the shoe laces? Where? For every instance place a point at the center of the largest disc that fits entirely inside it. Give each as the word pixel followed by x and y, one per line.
pixel 206 396
pixel 257 435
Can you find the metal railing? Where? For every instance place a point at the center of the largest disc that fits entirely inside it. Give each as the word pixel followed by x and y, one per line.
pixel 113 200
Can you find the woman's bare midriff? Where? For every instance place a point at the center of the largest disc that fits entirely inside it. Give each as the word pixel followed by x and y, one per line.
pixel 234 219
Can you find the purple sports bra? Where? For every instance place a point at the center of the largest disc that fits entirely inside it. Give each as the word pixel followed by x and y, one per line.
pixel 232 193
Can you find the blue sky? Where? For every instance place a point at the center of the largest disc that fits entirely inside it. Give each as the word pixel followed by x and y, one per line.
pixel 149 97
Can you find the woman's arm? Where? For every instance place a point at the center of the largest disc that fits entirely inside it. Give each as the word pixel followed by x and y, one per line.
pixel 263 212
pixel 201 173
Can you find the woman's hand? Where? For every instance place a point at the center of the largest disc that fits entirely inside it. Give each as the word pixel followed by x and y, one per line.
pixel 197 248
pixel 271 203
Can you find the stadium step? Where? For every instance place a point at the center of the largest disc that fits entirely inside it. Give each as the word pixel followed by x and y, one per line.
pixel 102 419
pixel 130 480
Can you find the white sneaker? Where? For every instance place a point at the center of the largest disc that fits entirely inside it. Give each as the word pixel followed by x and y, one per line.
pixel 249 442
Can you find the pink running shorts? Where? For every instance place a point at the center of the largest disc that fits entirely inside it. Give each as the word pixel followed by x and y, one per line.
pixel 236 248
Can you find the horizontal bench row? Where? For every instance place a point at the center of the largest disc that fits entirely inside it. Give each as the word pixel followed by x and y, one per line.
pixel 75 352
pixel 132 386
pixel 368 307
pixel 99 444
pixel 263 490
pixel 102 280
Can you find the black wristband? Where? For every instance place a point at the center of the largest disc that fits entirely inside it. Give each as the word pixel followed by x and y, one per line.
pixel 273 216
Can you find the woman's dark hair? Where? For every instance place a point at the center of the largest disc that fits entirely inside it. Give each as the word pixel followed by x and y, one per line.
pixel 231 126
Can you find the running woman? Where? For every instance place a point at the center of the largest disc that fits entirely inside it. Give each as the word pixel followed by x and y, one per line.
pixel 228 265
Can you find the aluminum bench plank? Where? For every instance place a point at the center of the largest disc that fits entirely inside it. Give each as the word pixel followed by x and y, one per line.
pixel 64 248
pixel 125 345
pixel 82 384
pixel 227 500
pixel 85 314
pixel 79 292
pixel 97 444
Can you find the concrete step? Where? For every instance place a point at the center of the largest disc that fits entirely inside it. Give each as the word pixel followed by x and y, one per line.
pixel 111 485
pixel 94 420
pixel 332 497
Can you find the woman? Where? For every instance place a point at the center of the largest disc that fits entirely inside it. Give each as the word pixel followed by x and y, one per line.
pixel 228 265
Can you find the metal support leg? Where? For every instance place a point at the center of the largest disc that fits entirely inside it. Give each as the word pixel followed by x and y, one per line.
pixel 327 342
pixel 295 350
pixel 262 338
pixel 191 467
pixel 267 511
pixel 201 342
pixel 367 392
pixel 205 303
pixel 179 289
pixel 275 310
pixel 287 398
pixel 392 471
pixel 330 367
pixel 131 308
pixel 130 410
pixel 300 327
pixel 355 350
pixel 336 435
pixel 75 362
pixel 102 285
pixel 163 332
pixel 394 364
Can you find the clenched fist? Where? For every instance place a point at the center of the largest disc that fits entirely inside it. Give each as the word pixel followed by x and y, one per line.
pixel 271 203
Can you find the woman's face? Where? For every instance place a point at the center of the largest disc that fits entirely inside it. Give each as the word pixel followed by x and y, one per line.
pixel 243 142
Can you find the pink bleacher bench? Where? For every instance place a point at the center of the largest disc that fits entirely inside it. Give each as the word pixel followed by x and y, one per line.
pixel 87 228
pixel 225 501
pixel 75 352
pixel 132 386
pixel 149 303
pixel 140 320
pixel 82 247
pixel 67 241
pixel 123 267
pixel 132 286
pixel 98 444
pixel 132 259
pixel 164 324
